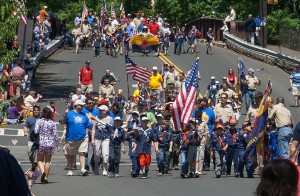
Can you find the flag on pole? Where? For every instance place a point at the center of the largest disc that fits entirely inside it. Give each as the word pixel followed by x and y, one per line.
pixel 84 12
pixel 260 122
pixel 242 77
pixel 153 5
pixel 183 106
pixel 21 11
pixel 103 13
pixel 113 13
pixel 138 73
pixel 121 6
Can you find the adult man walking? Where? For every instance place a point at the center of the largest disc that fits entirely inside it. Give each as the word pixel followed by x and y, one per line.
pixel 223 110
pixel 76 136
pixel 284 123
pixel 85 78
pixel 250 29
pixel 108 76
pixel 252 82
pixel 155 81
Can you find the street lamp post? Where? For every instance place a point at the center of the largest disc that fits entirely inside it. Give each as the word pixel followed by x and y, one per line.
pixel 263 22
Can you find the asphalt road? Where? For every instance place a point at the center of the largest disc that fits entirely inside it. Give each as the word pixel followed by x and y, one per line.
pixel 57 76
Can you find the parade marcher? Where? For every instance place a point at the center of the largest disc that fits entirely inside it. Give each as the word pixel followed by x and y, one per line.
pixel 155 81
pixel 180 82
pixel 97 44
pixel 121 101
pixel 244 159
pixel 133 125
pixel 91 112
pixel 212 90
pixel 208 116
pixel 149 114
pixel 233 136
pixel 225 89
pixel 143 140
pixel 76 136
pixel 203 132
pixel 101 133
pixel 220 148
pixel 284 124
pixel 236 106
pixel 252 111
pixel 169 79
pixel 107 89
pixel 164 146
pixel 166 43
pixel 252 82
pixel 154 103
pixel 295 86
pixel 85 78
pixel 294 146
pixel 77 36
pixel 78 96
pixel 209 41
pixel 108 76
pixel 48 142
pixel 231 78
pixel 223 110
pixel 116 145
pixel 178 43
pixel 115 111
pixel 182 149
pixel 32 144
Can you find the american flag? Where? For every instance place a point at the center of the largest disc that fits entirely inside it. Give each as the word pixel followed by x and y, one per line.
pixel 113 13
pixel 21 11
pixel 138 73
pixel 84 12
pixel 103 13
pixel 183 106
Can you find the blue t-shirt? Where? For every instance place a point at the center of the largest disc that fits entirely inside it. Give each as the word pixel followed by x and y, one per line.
pixel 76 125
pixel 295 77
pixel 30 123
pixel 208 116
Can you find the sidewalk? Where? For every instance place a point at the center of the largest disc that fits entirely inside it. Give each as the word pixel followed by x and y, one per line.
pixel 285 51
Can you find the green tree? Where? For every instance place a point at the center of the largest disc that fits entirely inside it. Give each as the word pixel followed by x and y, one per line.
pixel 8 23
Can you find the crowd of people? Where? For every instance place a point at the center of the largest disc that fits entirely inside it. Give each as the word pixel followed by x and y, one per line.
pixel 108 120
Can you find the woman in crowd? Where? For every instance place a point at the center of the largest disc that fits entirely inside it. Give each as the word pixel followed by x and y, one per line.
pixel 48 142
pixel 231 78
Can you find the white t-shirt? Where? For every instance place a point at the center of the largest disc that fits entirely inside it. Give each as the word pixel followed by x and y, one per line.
pixel 29 101
pixel 76 97
pixel 233 14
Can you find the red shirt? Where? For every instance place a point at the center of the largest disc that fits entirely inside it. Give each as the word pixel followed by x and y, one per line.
pixel 86 75
pixel 231 79
pixel 154 27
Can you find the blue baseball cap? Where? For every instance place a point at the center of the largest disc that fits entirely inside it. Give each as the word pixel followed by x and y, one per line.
pixel 250 70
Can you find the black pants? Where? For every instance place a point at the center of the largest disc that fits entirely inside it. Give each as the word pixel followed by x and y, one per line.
pixel 114 158
pixel 97 51
pixel 206 161
pixel 177 48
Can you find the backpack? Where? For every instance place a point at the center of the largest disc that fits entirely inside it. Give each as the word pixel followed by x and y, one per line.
pixel 198 34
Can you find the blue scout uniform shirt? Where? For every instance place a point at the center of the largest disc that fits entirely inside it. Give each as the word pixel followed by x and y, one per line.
pixel 131 143
pixel 76 125
pixel 233 137
pixel 182 140
pixel 208 116
pixel 164 139
pixel 244 139
pixel 97 43
pixel 191 136
pixel 156 129
pixel 152 103
pixel 218 142
pixel 117 135
pixel 121 101
pixel 295 77
pixel 120 36
pixel 89 114
pixel 132 124
pixel 144 139
pixel 113 114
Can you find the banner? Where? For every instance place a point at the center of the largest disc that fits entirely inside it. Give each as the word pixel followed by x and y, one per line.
pixel 142 43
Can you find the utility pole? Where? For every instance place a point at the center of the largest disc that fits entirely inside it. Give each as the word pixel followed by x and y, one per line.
pixel 263 23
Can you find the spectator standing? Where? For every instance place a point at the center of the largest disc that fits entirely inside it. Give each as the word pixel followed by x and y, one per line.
pixel 43 14
pixel 17 76
pixel 295 86
pixel 85 77
pixel 250 29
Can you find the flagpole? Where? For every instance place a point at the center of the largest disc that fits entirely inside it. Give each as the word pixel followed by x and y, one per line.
pixel 127 85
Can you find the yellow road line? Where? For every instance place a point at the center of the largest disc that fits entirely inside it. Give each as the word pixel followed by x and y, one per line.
pixel 166 60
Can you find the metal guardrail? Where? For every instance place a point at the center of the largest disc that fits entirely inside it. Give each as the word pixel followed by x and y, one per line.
pixel 284 61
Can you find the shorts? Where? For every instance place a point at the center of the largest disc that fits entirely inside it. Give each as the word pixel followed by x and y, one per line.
pixel 295 91
pixel 145 159
pixel 87 88
pixel 75 147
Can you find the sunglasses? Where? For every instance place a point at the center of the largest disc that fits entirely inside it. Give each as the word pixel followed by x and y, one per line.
pixel 36 110
pixel 223 97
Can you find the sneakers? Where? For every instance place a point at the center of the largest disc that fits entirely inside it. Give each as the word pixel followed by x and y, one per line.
pixel 104 173
pixel 218 173
pixel 176 168
pixel 159 174
pixel 70 173
pixel 223 28
pixel 117 175
pixel 236 175
pixel 96 170
pixel 182 175
pixel 110 175
pixel 196 175
pixel 84 172
pixel 144 176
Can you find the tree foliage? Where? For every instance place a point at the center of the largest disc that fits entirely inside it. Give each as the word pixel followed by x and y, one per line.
pixel 8 23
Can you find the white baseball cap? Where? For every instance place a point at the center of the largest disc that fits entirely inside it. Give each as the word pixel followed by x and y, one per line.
pixel 78 102
pixel 213 77
pixel 117 118
pixel 103 107
pixel 154 68
pixel 144 118
pixel 136 112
